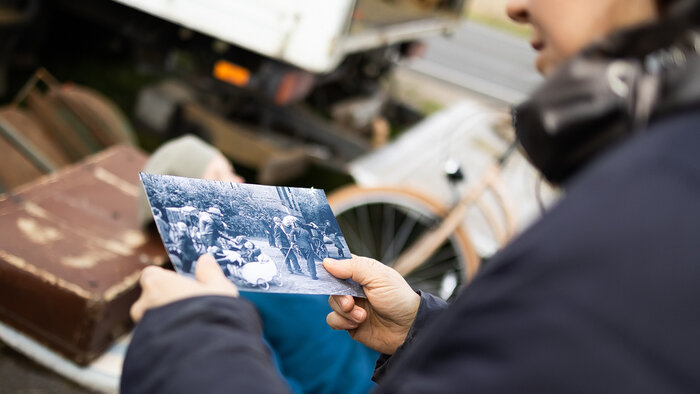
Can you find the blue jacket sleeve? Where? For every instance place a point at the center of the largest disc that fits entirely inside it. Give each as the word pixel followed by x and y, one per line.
pixel 207 344
pixel 430 306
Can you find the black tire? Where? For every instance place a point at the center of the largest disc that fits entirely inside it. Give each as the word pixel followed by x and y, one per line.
pixel 381 222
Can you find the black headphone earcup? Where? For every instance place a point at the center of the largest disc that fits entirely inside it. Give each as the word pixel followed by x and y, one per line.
pixel 575 115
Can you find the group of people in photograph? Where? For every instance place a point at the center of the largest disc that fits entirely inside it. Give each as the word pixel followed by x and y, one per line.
pixel 198 232
pixel 293 236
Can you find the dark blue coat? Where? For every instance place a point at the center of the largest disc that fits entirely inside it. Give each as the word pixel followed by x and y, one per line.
pixel 600 296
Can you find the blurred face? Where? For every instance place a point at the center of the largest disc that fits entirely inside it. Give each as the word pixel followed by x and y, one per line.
pixel 219 169
pixel 560 28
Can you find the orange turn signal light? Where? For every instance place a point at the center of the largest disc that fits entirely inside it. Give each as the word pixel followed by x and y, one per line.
pixel 231 73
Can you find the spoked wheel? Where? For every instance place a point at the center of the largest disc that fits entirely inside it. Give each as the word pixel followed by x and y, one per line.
pixel 319 248
pixel 263 284
pixel 382 222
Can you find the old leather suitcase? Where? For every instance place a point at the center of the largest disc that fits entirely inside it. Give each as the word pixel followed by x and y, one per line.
pixel 71 253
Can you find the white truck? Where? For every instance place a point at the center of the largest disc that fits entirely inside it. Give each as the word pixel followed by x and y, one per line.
pixel 314 35
pixel 274 84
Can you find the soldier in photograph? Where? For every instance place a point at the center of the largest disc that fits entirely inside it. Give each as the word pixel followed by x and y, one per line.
pixel 209 238
pixel 183 251
pixel 190 216
pixel 218 218
pixel 238 242
pixel 281 238
pixel 332 234
pixel 301 242
pixel 162 225
pixel 317 245
pixel 269 227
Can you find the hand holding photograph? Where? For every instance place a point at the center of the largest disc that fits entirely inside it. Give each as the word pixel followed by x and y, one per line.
pixel 265 238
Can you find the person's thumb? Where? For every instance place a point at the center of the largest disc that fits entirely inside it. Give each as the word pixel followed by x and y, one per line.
pixel 208 270
pixel 362 270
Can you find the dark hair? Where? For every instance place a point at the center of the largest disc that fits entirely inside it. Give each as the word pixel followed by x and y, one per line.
pixel 662 5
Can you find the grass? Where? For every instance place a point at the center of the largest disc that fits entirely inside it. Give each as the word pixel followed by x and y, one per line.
pixel 428 106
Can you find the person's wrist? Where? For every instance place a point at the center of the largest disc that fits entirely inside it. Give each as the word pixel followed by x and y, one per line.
pixel 413 304
pixel 405 323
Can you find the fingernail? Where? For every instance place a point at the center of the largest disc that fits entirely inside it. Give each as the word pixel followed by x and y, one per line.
pixel 357 314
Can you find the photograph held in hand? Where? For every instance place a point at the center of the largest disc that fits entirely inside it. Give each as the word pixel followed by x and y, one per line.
pixel 264 238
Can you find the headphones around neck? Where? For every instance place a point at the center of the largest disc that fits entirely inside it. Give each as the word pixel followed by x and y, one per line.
pixel 608 91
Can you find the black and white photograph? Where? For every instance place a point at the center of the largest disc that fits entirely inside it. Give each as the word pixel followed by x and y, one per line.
pixel 265 238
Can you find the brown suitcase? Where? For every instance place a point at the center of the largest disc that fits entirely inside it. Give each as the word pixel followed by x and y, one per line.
pixel 71 252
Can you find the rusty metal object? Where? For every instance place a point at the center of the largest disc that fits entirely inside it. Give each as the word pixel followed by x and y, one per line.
pixel 62 124
pixel 24 122
pixel 16 167
pixel 79 121
pixel 273 160
pixel 25 148
pixel 171 106
pixel 72 251
pixel 26 152
pixel 69 133
pixel 103 119
pixel 308 124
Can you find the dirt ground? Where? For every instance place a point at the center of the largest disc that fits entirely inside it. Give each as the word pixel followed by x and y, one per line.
pixel 20 375
pixel 300 283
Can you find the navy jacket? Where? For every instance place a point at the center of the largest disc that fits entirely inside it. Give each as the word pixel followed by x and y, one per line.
pixel 600 296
